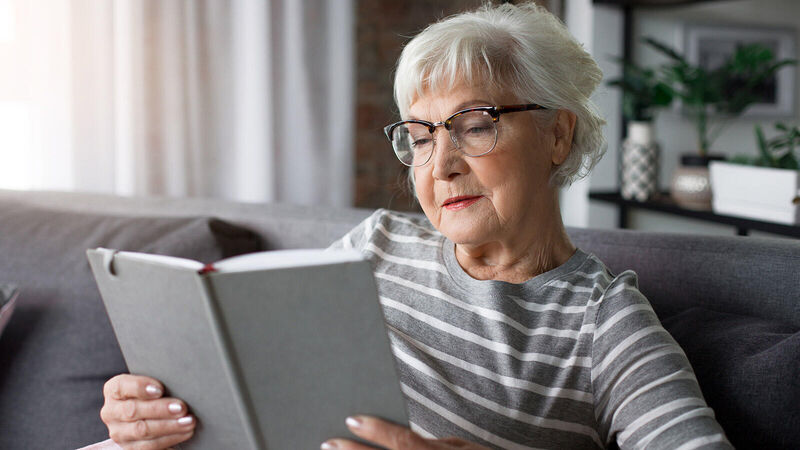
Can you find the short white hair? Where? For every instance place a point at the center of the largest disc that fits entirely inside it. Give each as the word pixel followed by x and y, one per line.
pixel 521 49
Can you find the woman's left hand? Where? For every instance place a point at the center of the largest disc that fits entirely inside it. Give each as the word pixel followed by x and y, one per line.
pixel 393 437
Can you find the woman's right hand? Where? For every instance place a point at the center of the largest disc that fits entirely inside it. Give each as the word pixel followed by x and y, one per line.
pixel 138 417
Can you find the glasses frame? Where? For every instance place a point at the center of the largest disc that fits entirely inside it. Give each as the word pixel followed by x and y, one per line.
pixel 493 111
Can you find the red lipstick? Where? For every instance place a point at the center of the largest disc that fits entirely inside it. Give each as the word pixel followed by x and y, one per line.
pixel 460 202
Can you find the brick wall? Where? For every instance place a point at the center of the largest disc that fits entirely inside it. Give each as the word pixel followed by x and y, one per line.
pixel 383 27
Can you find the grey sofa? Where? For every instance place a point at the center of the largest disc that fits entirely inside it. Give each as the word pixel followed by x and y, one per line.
pixel 733 303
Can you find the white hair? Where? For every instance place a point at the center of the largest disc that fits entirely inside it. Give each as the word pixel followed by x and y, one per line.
pixel 519 49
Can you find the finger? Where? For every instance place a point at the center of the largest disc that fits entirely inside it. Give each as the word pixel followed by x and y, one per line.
pixel 149 430
pixel 387 434
pixel 123 387
pixel 343 444
pixel 163 442
pixel 133 410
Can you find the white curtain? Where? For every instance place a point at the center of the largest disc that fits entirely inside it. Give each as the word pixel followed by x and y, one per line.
pixel 247 100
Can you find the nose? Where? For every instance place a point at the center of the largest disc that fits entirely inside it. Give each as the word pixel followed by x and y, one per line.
pixel 447 161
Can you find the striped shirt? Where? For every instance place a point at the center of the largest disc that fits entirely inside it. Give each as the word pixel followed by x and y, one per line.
pixel 572 358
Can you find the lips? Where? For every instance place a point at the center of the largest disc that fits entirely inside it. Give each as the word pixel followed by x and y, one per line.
pixel 460 202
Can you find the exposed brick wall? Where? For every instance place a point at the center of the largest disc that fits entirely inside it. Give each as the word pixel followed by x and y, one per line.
pixel 383 27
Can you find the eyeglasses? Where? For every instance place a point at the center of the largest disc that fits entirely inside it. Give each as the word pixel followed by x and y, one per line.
pixel 473 131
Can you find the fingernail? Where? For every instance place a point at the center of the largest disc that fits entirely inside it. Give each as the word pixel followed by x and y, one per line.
pixel 185 420
pixel 153 390
pixel 353 422
pixel 175 408
pixel 328 445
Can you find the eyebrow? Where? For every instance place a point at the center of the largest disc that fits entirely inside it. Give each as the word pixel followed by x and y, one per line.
pixel 464 105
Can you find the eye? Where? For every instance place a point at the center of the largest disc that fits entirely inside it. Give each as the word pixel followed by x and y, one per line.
pixel 478 129
pixel 420 142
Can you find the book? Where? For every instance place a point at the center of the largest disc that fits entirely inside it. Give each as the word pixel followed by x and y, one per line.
pixel 270 350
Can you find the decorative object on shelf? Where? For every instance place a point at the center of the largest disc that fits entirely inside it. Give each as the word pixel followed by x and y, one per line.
pixel 691 186
pixel 643 93
pixel 713 95
pixel 640 153
pixel 765 187
pixel 709 45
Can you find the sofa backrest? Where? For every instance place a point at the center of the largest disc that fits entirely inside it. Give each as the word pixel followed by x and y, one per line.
pixel 742 275
pixel 750 276
pixel 730 302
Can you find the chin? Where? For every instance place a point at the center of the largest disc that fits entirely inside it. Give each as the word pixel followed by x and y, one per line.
pixel 465 234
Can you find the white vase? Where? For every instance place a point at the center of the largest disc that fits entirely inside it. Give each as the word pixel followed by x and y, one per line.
pixel 639 169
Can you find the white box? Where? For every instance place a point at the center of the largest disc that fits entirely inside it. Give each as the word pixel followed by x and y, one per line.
pixel 760 193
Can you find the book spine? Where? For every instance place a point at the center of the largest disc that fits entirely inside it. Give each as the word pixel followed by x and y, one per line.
pixel 232 367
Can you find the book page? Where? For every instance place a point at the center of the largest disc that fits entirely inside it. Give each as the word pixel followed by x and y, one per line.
pixel 172 261
pixel 280 259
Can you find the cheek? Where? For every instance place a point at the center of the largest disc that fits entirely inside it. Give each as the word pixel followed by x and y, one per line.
pixel 423 187
pixel 512 182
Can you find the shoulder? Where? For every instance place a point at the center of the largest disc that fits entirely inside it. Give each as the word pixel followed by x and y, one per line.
pixel 384 229
pixel 403 223
pixel 608 293
pixel 622 315
pixel 623 294
pixel 608 288
pixel 590 278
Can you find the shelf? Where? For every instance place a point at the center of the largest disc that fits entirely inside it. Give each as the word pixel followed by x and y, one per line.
pixel 664 204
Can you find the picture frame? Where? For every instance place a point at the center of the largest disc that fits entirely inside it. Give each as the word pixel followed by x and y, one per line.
pixel 709 45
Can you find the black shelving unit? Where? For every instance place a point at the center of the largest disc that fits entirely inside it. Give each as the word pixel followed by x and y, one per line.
pixel 664 204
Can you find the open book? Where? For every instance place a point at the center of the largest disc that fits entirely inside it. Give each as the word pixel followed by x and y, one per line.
pixel 269 350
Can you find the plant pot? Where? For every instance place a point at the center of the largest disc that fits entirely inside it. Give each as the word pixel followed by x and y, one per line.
pixel 760 193
pixel 639 162
pixel 691 185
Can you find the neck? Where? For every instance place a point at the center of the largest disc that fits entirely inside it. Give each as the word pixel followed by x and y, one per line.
pixel 542 245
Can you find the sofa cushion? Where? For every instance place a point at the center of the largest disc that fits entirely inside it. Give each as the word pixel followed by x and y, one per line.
pixel 749 371
pixel 60 349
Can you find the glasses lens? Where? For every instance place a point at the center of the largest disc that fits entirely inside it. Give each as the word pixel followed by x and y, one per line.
pixel 474 132
pixel 413 143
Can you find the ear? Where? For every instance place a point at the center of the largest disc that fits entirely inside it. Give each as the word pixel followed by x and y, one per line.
pixel 563 129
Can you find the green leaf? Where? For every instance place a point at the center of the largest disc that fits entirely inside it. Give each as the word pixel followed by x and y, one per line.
pixel 662 95
pixel 665 49
pixel 787 161
pixel 763 147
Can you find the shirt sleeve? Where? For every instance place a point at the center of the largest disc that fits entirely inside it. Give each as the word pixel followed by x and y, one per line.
pixel 646 393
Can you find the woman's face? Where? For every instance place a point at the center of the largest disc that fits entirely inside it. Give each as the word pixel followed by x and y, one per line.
pixel 501 196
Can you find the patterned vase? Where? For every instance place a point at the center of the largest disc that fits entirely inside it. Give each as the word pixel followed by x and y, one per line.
pixel 639 163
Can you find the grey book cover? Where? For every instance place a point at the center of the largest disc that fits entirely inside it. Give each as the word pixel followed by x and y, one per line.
pixel 270 350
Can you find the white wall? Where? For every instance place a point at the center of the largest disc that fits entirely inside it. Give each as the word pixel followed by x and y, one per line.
pixel 599 29
pixel 607 44
pixel 579 17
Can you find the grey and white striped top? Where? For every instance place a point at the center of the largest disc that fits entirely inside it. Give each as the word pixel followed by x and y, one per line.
pixel 573 358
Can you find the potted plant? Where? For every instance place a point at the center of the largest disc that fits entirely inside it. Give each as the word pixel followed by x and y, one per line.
pixel 765 187
pixel 643 93
pixel 712 97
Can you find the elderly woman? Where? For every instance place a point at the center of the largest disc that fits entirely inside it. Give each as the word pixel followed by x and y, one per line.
pixel 505 334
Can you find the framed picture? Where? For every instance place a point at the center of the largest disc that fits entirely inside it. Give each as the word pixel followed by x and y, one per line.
pixel 710 45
